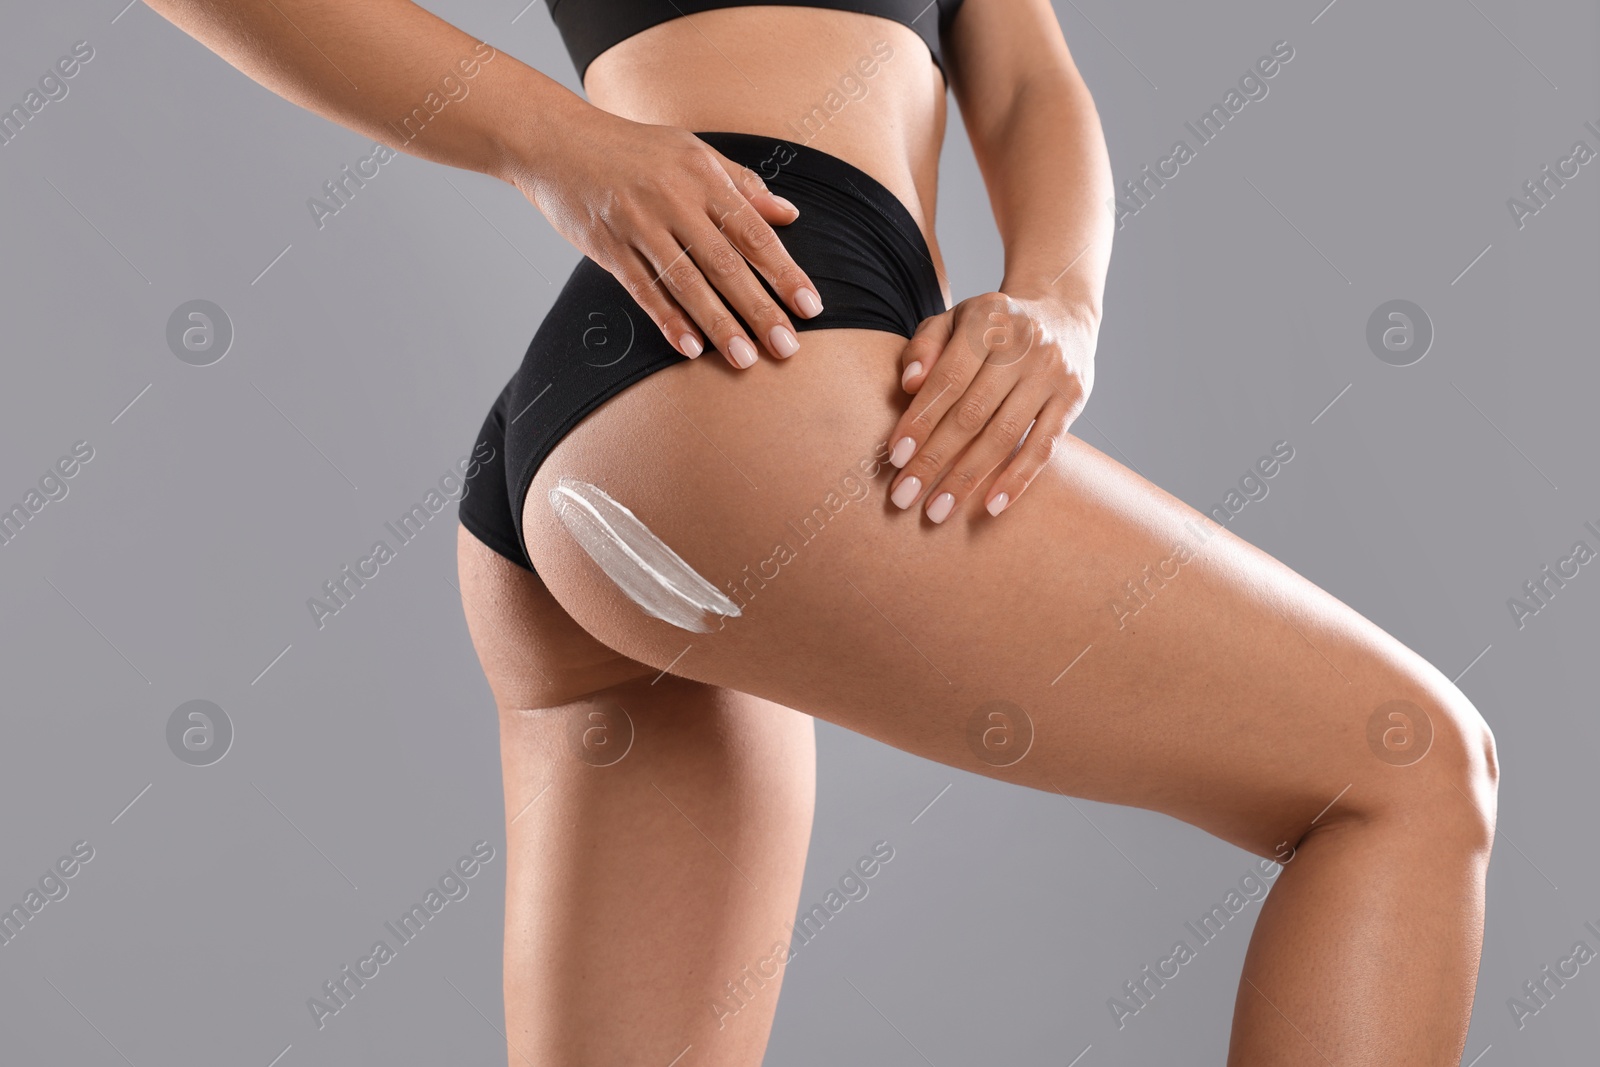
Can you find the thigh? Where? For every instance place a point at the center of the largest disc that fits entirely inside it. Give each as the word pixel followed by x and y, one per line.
pixel 657 830
pixel 1116 643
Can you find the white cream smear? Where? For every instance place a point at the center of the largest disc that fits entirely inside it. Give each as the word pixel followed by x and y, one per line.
pixel 640 563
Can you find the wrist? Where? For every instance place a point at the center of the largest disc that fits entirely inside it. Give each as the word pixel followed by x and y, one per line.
pixel 1078 306
pixel 536 132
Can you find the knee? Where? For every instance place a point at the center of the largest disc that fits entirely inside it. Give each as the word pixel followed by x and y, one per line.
pixel 1480 773
pixel 1450 790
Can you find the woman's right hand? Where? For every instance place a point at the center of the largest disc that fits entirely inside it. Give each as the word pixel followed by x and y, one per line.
pixel 680 226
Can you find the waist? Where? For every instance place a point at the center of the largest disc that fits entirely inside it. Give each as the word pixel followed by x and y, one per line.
pixel 861 88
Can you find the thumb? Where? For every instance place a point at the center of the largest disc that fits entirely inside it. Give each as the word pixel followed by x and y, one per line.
pixel 923 350
pixel 769 205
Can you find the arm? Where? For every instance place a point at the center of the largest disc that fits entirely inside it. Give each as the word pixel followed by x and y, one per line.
pixel 620 191
pixel 1037 138
pixel 369 64
pixel 1024 355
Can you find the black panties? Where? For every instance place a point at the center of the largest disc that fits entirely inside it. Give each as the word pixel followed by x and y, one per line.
pixel 854 239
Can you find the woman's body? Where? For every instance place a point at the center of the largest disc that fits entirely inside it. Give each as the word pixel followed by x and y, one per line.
pixel 1223 690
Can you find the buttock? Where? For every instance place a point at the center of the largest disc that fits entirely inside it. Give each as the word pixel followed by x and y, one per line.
pixel 855 240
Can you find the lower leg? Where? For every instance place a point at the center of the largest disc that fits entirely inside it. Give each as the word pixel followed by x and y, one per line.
pixel 656 831
pixel 1366 950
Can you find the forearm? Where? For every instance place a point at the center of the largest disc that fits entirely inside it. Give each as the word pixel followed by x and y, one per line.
pixel 1049 179
pixel 394 72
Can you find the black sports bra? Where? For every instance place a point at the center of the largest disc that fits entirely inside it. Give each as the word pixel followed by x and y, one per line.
pixel 589 27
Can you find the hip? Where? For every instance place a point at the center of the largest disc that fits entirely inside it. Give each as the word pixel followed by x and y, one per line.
pixel 853 238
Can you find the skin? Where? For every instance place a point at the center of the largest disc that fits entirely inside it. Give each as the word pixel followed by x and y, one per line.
pixel 1219 687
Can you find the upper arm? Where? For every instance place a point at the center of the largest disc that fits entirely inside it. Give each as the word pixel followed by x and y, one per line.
pixel 994 48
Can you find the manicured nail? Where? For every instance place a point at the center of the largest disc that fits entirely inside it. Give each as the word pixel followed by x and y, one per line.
pixel 939 510
pixel 781 202
pixel 911 372
pixel 742 353
pixel 998 504
pixel 783 342
pixel 690 345
pixel 810 303
pixel 903 450
pixel 906 492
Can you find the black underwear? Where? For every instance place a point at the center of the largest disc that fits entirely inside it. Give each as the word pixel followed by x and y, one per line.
pixel 854 239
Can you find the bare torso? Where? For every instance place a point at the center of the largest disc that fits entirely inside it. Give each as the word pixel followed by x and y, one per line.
pixel 794 73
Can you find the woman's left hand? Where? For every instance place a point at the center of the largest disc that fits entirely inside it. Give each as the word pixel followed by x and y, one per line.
pixel 983 373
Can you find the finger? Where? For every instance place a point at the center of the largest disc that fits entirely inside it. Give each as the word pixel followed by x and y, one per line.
pixel 960 424
pixel 681 280
pixel 774 208
pixel 1040 444
pixel 641 278
pixel 954 367
pixel 992 447
pixel 749 231
pixel 725 268
pixel 922 351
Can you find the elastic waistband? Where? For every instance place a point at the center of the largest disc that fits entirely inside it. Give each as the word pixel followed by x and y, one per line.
pixel 845 189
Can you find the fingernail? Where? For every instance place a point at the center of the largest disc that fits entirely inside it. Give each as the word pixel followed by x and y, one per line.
pixel 690 345
pixel 781 202
pixel 911 372
pixel 998 504
pixel 901 455
pixel 906 492
pixel 939 510
pixel 783 342
pixel 810 303
pixel 742 353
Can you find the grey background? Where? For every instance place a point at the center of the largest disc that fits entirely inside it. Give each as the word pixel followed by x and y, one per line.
pixel 364 760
